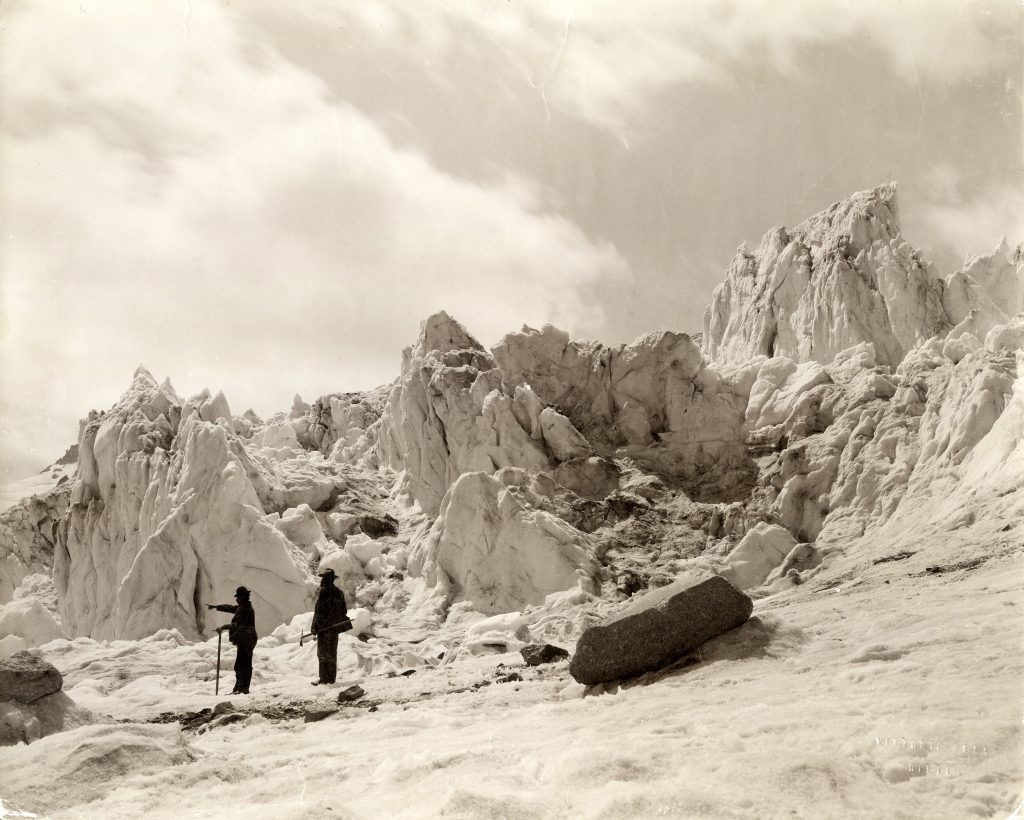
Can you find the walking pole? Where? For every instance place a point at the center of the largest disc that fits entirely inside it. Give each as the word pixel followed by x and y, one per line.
pixel 216 686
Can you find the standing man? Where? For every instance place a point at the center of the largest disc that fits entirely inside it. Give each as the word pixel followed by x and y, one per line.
pixel 242 633
pixel 329 616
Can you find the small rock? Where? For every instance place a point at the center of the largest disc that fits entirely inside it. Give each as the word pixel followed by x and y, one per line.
pixel 314 715
pixel 230 717
pixel 629 582
pixel 536 654
pixel 511 677
pixel 25 678
pixel 351 694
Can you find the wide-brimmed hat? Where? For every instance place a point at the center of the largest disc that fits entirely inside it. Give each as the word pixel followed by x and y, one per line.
pixel 328 573
pixel 241 592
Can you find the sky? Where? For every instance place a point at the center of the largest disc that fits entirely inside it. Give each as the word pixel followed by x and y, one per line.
pixel 267 199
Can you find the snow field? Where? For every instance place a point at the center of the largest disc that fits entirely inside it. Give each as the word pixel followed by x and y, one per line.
pixel 834 701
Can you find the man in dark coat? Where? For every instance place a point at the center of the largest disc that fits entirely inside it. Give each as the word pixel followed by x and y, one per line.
pixel 242 633
pixel 329 616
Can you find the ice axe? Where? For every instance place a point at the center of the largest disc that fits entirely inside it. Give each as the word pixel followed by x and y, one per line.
pixel 216 686
pixel 345 625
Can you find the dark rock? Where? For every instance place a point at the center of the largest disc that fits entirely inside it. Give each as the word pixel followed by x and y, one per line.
pixel 629 582
pixel 314 715
pixel 511 677
pixel 351 694
pixel 193 720
pixel 622 505
pixel 25 678
pixel 377 526
pixel 899 556
pixel 536 654
pixel 70 456
pixel 224 719
pixel 222 708
pixel 659 628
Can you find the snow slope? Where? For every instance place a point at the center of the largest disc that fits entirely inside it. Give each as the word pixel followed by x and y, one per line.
pixel 889 691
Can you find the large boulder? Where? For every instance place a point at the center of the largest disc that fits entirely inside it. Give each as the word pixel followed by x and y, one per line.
pixel 658 628
pixel 26 678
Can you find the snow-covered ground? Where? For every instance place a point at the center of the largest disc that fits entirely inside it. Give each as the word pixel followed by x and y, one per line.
pixel 14 491
pixel 885 690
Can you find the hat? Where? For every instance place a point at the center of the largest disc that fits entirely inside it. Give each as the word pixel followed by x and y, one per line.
pixel 241 592
pixel 327 573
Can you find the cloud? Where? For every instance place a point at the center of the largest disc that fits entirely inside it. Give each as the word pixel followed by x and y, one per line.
pixel 608 62
pixel 975 224
pixel 181 197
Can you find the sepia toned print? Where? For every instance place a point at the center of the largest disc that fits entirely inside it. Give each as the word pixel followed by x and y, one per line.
pixel 593 409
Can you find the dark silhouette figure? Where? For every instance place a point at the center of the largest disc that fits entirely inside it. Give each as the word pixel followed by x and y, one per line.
pixel 329 615
pixel 242 633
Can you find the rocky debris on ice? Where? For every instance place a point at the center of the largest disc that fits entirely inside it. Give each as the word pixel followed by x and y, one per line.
pixel 595 478
pixel 490 547
pixel 659 628
pixel 842 277
pixel 377 526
